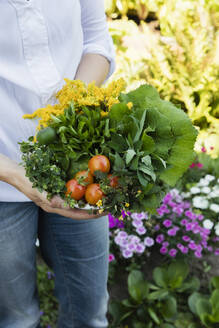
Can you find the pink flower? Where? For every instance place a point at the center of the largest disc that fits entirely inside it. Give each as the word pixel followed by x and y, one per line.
pixel 198 254
pixel 167 223
pixel 186 238
pixel 171 232
pixel 199 165
pixel 192 165
pixel 203 149
pixel 111 257
pixel 163 250
pixel 172 252
pixel 160 238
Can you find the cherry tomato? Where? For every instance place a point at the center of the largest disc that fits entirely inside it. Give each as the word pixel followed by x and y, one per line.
pixel 99 163
pixel 84 177
pixel 75 190
pixel 93 193
pixel 113 180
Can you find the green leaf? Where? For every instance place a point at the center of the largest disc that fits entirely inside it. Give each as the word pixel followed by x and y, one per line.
pixel 203 306
pixel 148 144
pixel 129 155
pixel 137 286
pixel 142 178
pixel 160 277
pixel 153 315
pixel 119 163
pixel 215 281
pixel 177 273
pixel 214 300
pixel 169 307
pixel 148 171
pixel 158 295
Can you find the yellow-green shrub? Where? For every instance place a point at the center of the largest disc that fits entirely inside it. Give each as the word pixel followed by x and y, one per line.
pixel 181 60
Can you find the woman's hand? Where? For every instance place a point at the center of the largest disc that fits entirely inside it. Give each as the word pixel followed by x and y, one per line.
pixel 12 173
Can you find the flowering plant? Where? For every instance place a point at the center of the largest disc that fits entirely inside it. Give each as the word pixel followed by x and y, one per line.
pixel 142 135
pixel 204 196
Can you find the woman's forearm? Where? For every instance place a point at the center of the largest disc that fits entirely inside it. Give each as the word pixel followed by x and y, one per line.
pixel 93 67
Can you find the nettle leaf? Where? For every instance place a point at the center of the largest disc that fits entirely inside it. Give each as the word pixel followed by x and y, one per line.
pixel 129 155
pixel 141 126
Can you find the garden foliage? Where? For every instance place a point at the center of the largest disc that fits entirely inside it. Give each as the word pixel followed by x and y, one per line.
pixel 180 60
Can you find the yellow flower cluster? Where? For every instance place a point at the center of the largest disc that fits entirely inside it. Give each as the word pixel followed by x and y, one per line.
pixel 81 95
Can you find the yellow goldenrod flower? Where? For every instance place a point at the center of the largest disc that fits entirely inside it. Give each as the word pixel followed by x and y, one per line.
pixel 121 217
pixel 100 211
pixel 130 105
pixel 79 94
pixel 99 203
pixel 103 113
pixel 139 191
pixel 127 204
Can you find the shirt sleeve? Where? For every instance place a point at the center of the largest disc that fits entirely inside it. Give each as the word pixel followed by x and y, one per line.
pixel 95 31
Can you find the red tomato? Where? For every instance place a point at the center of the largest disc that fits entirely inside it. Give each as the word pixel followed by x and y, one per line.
pixel 113 180
pixel 99 163
pixel 75 190
pixel 84 177
pixel 93 193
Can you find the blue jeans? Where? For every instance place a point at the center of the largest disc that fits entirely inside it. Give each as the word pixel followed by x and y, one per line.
pixel 76 250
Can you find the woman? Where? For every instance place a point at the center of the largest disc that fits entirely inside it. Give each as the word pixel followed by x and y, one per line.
pixel 41 42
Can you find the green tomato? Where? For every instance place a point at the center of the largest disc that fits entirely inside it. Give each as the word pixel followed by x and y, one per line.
pixel 46 136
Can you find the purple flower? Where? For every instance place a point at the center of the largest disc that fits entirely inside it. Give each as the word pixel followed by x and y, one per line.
pixel 160 238
pixel 131 247
pixel 134 239
pixel 189 226
pixel 163 250
pixel 165 244
pixel 184 222
pixel 127 254
pixel 49 275
pixel 122 234
pixel 167 223
pixel 171 232
pixel 139 216
pixel 198 254
pixel 180 246
pixel 190 215
pixel 157 227
pixel 192 245
pixel 167 198
pixel 148 241
pixel 172 252
pixel 210 248
pixel 200 217
pixel 137 223
pixel 124 242
pixel 184 250
pixel 41 313
pixel 186 238
pixel 111 257
pixel 140 248
pixel 118 240
pixel 216 251
pixel 141 230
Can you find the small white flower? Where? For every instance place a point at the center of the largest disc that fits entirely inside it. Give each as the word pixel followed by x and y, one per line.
pixel 213 194
pixel 195 190
pixel 214 208
pixel 37 243
pixel 203 183
pixel 185 194
pixel 200 202
pixel 206 190
pixel 217 232
pixel 216 226
pixel 209 177
pixel 208 224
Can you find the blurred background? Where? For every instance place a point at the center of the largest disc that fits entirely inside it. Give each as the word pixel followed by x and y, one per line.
pixel 174 46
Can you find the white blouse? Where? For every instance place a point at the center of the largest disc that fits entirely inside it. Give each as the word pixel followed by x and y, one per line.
pixel 41 43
